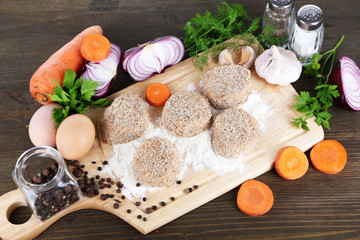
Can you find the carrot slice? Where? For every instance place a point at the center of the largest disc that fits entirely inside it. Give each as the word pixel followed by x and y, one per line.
pixel 157 94
pixel 255 198
pixel 55 66
pixel 95 47
pixel 328 156
pixel 291 163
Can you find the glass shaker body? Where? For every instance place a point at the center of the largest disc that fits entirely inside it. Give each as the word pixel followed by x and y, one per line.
pixel 45 198
pixel 308 34
pixel 280 15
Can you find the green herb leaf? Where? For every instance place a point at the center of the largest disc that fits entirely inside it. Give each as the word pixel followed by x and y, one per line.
pixel 325 93
pixel 88 89
pixel 72 99
pixel 69 79
pixel 206 31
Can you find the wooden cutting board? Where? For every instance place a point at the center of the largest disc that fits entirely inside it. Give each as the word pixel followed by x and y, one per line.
pixel 280 132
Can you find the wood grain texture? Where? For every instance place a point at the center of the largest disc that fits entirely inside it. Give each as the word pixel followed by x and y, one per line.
pixel 317 206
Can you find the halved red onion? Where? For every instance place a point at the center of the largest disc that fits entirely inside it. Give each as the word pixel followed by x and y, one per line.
pixel 346 75
pixel 145 60
pixel 103 72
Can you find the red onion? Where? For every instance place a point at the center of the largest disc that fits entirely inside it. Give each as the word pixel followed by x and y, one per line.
pixel 103 72
pixel 346 75
pixel 145 60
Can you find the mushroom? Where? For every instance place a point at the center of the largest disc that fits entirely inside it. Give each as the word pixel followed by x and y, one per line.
pixel 278 66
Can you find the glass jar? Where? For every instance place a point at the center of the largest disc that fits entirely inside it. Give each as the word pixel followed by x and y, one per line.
pixel 280 14
pixel 308 34
pixel 47 183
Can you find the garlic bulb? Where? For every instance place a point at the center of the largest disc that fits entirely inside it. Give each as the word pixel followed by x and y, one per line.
pixel 278 66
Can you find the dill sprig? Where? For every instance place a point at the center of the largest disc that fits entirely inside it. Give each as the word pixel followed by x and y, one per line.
pixel 207 33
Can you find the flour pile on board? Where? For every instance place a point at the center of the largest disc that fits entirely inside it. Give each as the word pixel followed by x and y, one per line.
pixel 196 152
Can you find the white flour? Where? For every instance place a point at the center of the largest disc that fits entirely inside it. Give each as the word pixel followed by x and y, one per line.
pixel 196 152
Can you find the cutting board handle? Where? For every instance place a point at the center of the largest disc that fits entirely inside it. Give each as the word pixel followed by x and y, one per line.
pixel 8 203
pixel 32 227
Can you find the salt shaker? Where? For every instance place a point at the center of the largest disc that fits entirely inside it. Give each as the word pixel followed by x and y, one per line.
pixel 45 180
pixel 280 14
pixel 308 34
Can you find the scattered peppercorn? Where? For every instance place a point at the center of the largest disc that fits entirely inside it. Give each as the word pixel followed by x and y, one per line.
pixel 144 219
pixel 178 182
pixel 97 177
pixel 154 207
pixel 138 184
pixel 108 180
pixel 82 166
pixel 116 205
pixel 144 199
pixel 118 190
pixel 137 204
pixel 195 186
pixel 172 199
pixel 163 204
pixel 76 163
pixel 103 197
pixel 99 168
pixel 122 197
pixel 93 162
pixel 128 211
pixel 104 162
pixel 148 210
pixel 139 216
pixel 112 196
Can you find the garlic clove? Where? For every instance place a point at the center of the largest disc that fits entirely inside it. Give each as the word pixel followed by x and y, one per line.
pixel 247 56
pixel 278 66
pixel 225 58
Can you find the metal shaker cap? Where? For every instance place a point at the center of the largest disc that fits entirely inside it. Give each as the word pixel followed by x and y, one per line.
pixel 281 6
pixel 309 17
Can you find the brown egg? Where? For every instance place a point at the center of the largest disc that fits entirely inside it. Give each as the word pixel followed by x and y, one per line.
pixel 75 136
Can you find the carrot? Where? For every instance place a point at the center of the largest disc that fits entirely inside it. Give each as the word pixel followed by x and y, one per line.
pixel 157 94
pixel 95 47
pixel 255 198
pixel 328 156
pixel 291 163
pixel 69 56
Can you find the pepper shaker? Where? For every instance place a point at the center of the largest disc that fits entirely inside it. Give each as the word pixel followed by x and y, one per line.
pixel 45 180
pixel 280 14
pixel 308 33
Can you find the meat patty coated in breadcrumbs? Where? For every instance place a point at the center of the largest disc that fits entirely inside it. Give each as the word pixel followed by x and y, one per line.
pixel 125 120
pixel 234 131
pixel 186 114
pixel 157 163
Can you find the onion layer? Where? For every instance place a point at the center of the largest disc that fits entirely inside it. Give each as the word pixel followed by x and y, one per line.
pixel 103 72
pixel 145 60
pixel 346 75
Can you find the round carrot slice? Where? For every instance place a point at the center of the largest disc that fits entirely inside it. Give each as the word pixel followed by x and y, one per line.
pixel 95 47
pixel 157 94
pixel 255 198
pixel 291 163
pixel 328 156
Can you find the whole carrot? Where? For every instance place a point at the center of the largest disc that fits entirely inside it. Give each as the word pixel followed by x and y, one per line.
pixel 69 56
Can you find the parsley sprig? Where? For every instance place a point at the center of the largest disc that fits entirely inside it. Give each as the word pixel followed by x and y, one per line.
pixel 207 33
pixel 74 96
pixel 325 93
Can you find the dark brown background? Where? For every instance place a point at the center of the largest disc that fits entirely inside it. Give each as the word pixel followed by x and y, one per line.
pixel 316 206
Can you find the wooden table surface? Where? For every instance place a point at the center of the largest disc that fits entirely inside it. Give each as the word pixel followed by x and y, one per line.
pixel 317 206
